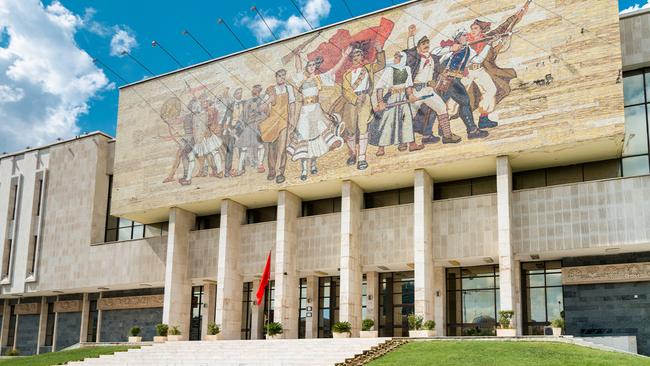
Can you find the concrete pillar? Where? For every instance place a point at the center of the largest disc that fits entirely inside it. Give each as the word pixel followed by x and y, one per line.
pixel 42 325
pixel 372 297
pixel 56 327
pixel 210 305
pixel 351 275
pixel 504 222
pixel 440 300
pixel 311 322
pixel 4 331
pixel 99 321
pixel 423 244
pixel 229 280
pixel 85 310
pixel 257 316
pixel 519 321
pixel 178 285
pixel 287 281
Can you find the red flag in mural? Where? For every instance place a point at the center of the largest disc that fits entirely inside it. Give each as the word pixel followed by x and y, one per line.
pixel 331 50
pixel 265 280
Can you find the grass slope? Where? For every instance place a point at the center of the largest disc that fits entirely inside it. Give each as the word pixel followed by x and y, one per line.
pixel 60 358
pixel 488 353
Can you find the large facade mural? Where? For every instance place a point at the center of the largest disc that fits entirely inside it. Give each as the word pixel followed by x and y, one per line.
pixel 429 81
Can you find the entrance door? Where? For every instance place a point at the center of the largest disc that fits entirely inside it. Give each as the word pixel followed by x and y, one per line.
pixel 396 302
pixel 196 314
pixel 328 305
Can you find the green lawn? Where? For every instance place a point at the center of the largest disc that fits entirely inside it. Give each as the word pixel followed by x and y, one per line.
pixel 488 353
pixel 60 358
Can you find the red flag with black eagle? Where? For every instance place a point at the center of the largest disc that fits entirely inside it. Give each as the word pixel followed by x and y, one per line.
pixel 265 280
pixel 330 51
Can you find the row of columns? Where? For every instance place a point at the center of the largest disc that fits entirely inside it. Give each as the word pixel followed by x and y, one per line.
pixel 429 280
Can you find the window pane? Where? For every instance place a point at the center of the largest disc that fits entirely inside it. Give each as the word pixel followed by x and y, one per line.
pixel 478 282
pixel 602 169
pixel 125 222
pixel 564 174
pixel 554 279
pixel 112 222
pixel 406 195
pixel 637 165
pixel 478 307
pixel 636 138
pixel 484 185
pixel 124 234
pixel 647 86
pixel 535 280
pixel 633 89
pixel 537 305
pixel 461 188
pixel 554 302
pixel 111 235
pixel 138 232
pixel 530 179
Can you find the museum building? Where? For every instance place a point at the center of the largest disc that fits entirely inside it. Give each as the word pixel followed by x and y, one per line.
pixel 546 214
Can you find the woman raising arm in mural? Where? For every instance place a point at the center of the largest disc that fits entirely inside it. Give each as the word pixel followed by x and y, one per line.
pixel 315 131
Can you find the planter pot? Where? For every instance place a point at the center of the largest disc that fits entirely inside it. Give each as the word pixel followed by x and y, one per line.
pixel 135 339
pixel 341 335
pixel 212 337
pixel 506 332
pixel 159 339
pixel 173 338
pixel 557 332
pixel 369 334
pixel 422 333
pixel 277 336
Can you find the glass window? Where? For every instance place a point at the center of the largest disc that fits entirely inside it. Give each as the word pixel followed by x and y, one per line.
pixel 636 165
pixel 472 300
pixel 564 175
pixel 633 89
pixel 602 169
pixel 396 302
pixel 636 138
pixel 247 310
pixel 636 87
pixel 302 312
pixel 529 179
pixel 542 295
pixel 321 207
pixel 262 214
pixel 208 222
pixel 328 301
pixel 388 198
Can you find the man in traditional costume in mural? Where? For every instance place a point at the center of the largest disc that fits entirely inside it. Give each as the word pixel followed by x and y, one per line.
pixel 234 110
pixel 356 89
pixel 316 131
pixel 274 130
pixel 171 113
pixel 393 123
pixel 248 144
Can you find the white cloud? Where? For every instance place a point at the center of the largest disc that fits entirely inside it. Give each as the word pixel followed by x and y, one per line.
pixel 635 7
pixel 314 10
pixel 122 41
pixel 46 80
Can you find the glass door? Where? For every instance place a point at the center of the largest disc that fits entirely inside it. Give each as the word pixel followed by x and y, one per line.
pixel 396 302
pixel 196 315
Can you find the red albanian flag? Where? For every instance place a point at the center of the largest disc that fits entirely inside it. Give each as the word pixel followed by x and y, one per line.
pixel 265 280
pixel 331 50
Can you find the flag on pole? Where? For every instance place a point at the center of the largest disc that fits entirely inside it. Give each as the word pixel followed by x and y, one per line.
pixel 265 280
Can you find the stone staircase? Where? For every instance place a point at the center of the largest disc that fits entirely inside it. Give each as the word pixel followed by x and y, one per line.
pixel 281 352
pixel 374 353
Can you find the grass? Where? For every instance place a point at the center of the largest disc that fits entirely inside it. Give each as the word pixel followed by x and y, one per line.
pixel 493 353
pixel 60 358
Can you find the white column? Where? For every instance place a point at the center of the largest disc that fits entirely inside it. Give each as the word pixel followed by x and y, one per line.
pixel 209 299
pixel 85 309
pixel 99 320
pixel 42 325
pixel 372 297
pixel 311 323
pixel 178 285
pixel 257 316
pixel 440 300
pixel 504 222
pixel 351 275
pixel 229 280
pixel 423 244
pixel 287 281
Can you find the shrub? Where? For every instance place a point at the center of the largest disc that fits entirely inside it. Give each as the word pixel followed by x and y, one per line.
pixel 429 325
pixel 273 328
pixel 213 329
pixel 162 329
pixel 415 321
pixel 342 327
pixel 135 331
pixel 505 318
pixel 12 352
pixel 367 324
pixel 173 330
pixel 557 323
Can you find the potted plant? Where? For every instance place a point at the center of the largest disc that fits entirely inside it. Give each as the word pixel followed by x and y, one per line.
pixel 341 330
pixel 366 329
pixel 213 332
pixel 505 324
pixel 417 329
pixel 161 331
pixel 134 335
pixel 273 330
pixel 174 334
pixel 557 326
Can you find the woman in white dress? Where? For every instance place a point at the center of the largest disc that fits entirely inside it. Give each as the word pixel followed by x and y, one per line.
pixel 315 132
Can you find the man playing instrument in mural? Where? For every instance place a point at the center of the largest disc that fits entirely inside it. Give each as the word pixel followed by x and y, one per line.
pixel 248 144
pixel 316 131
pixel 356 89
pixel 393 123
pixel 274 130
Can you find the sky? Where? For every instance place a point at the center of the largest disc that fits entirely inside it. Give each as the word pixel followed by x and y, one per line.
pixel 50 87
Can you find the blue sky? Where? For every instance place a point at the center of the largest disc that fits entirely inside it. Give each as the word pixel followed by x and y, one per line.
pixel 50 88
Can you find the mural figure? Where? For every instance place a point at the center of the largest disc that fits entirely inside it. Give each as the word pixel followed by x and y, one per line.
pixel 393 123
pixel 316 131
pixel 234 111
pixel 274 130
pixel 249 144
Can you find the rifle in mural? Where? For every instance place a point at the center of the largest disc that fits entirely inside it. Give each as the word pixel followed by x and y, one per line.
pixel 296 51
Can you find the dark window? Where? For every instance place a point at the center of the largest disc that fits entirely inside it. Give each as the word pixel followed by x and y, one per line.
pixel 636 89
pixel 465 188
pixel 396 302
pixel 7 257
pixel 12 327
pixel 39 195
pixel 197 316
pixel 321 207
pixel 32 248
pixel 542 295
pixel 208 222
pixel 388 198
pixel 49 327
pixel 328 305
pixel 269 303
pixel 247 310
pixel 302 312
pixel 567 174
pixel 472 300
pixel 14 199
pixel 91 336
pixel 262 214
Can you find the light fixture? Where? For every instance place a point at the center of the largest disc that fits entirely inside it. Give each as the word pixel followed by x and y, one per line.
pixel 103 288
pixel 410 265
pixel 534 256
pixel 57 292
pixel 454 262
pixel 383 268
pixel 146 284
pixel 321 273
pixel 488 260
pixel 612 250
